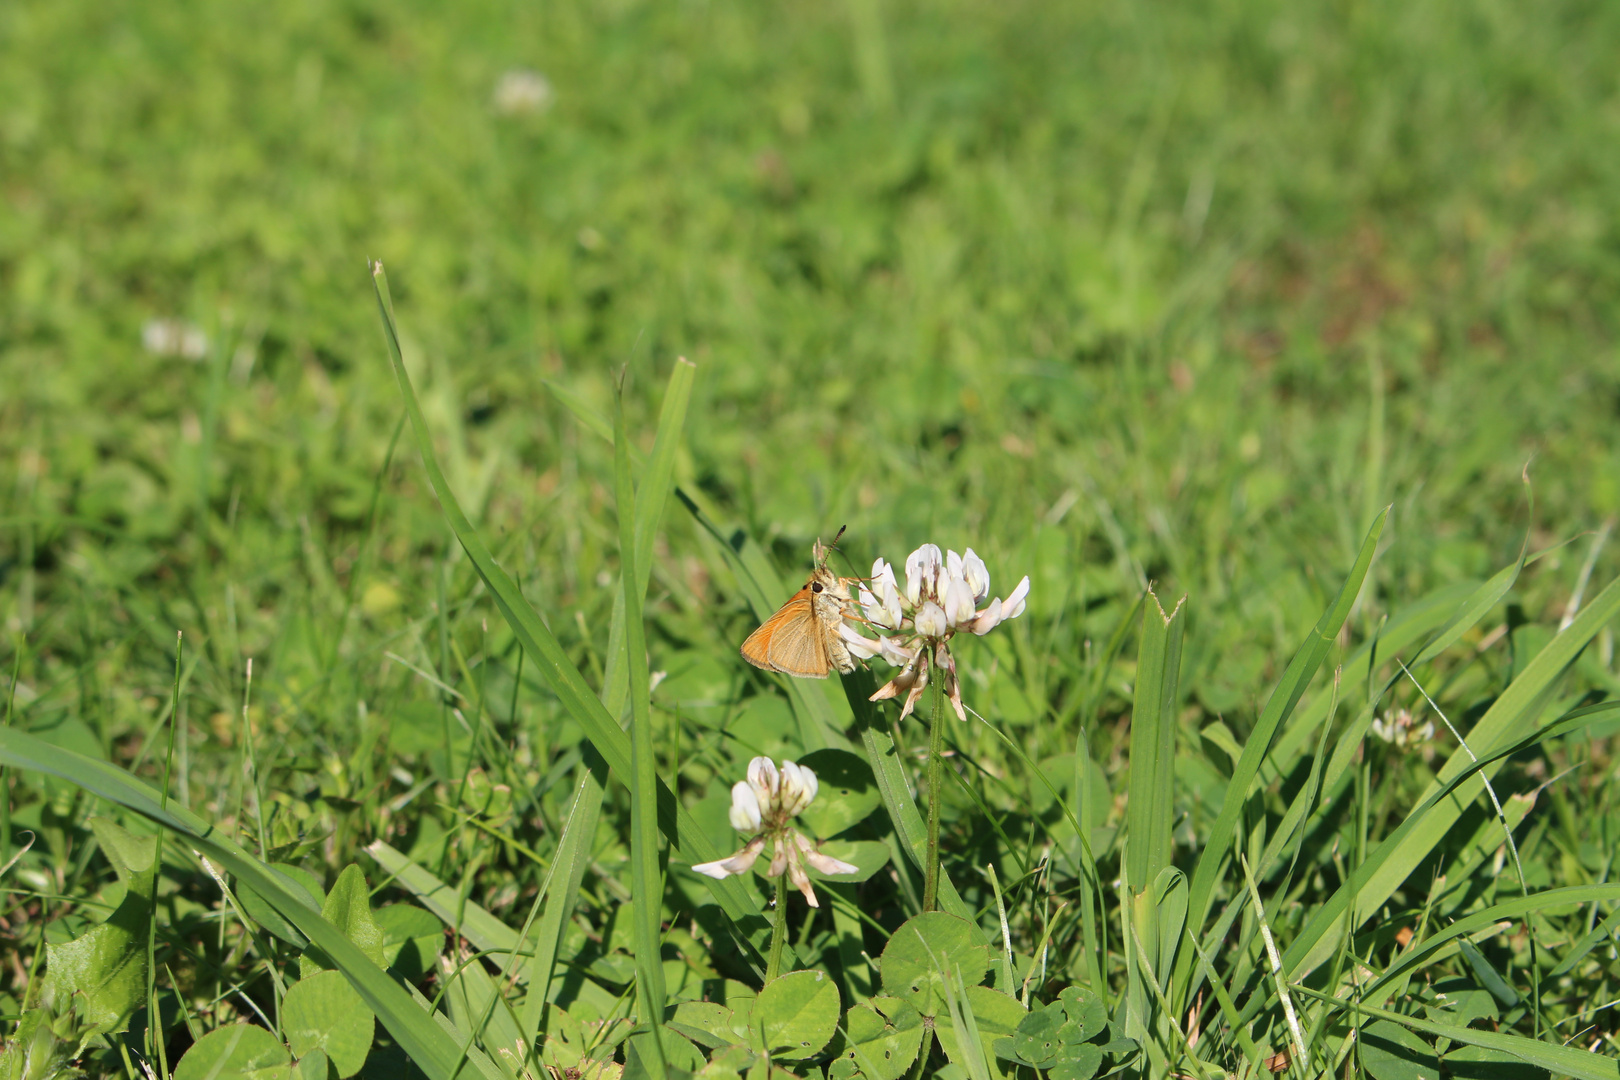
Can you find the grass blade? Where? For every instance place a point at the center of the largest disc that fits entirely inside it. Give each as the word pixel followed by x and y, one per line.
pixel 646 883
pixel 574 849
pixel 560 674
pixel 1150 810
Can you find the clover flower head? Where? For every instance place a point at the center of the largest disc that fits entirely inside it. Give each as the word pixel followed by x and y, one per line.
pixel 765 805
pixel 1401 730
pixel 941 598
pixel 521 90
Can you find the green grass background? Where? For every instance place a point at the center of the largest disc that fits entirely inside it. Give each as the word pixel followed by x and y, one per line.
pixel 1111 293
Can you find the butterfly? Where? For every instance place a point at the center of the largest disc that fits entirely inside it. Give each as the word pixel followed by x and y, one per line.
pixel 801 639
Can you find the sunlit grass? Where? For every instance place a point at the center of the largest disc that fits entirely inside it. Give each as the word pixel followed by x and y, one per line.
pixel 1168 297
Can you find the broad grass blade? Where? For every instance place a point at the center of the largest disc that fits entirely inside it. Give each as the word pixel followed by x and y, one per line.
pixel 559 672
pixel 1510 719
pixel 1150 811
pixel 436 1054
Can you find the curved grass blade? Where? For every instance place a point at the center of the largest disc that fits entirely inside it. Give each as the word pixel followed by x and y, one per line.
pixel 435 1053
pixel 559 672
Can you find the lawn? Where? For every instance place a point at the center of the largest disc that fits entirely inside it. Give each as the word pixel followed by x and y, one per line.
pixel 1304 312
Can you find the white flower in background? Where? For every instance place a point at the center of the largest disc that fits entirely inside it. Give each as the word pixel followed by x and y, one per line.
pixel 1401 730
pixel 174 337
pixel 941 598
pixel 522 91
pixel 764 805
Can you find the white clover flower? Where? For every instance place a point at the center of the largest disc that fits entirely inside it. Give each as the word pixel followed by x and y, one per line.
pixel 522 91
pixel 765 804
pixel 941 598
pixel 174 337
pixel 1401 730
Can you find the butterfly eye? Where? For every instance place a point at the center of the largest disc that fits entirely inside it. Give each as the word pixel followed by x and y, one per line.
pixel 816 587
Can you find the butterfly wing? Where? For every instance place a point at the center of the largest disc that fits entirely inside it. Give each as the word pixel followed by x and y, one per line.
pixel 789 641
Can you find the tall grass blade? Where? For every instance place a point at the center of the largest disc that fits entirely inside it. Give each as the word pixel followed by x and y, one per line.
pixel 427 1045
pixel 560 674
pixel 579 832
pixel 1150 810
pixel 1405 627
pixel 646 883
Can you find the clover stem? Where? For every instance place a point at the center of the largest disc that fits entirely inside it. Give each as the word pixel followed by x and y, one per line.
pixel 936 782
pixel 773 966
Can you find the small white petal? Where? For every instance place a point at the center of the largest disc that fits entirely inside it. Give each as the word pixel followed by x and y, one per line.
pixel 959 602
pixel 988 619
pixel 745 815
pixel 888 594
pixel 875 609
pixel 975 573
pixel 896 653
pixel 740 863
pixel 715 869
pixel 825 864
pixel 932 621
pixel 953 564
pixel 801 880
pixel 922 566
pixel 862 648
pixel 798 788
pixel 762 777
pixel 1013 606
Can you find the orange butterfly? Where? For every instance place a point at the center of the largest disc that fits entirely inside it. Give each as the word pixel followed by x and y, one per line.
pixel 801 639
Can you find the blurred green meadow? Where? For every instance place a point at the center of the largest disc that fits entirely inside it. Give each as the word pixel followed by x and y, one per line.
pixel 1117 295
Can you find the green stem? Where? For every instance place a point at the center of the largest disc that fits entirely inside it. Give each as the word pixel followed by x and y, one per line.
pixel 773 967
pixel 936 786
